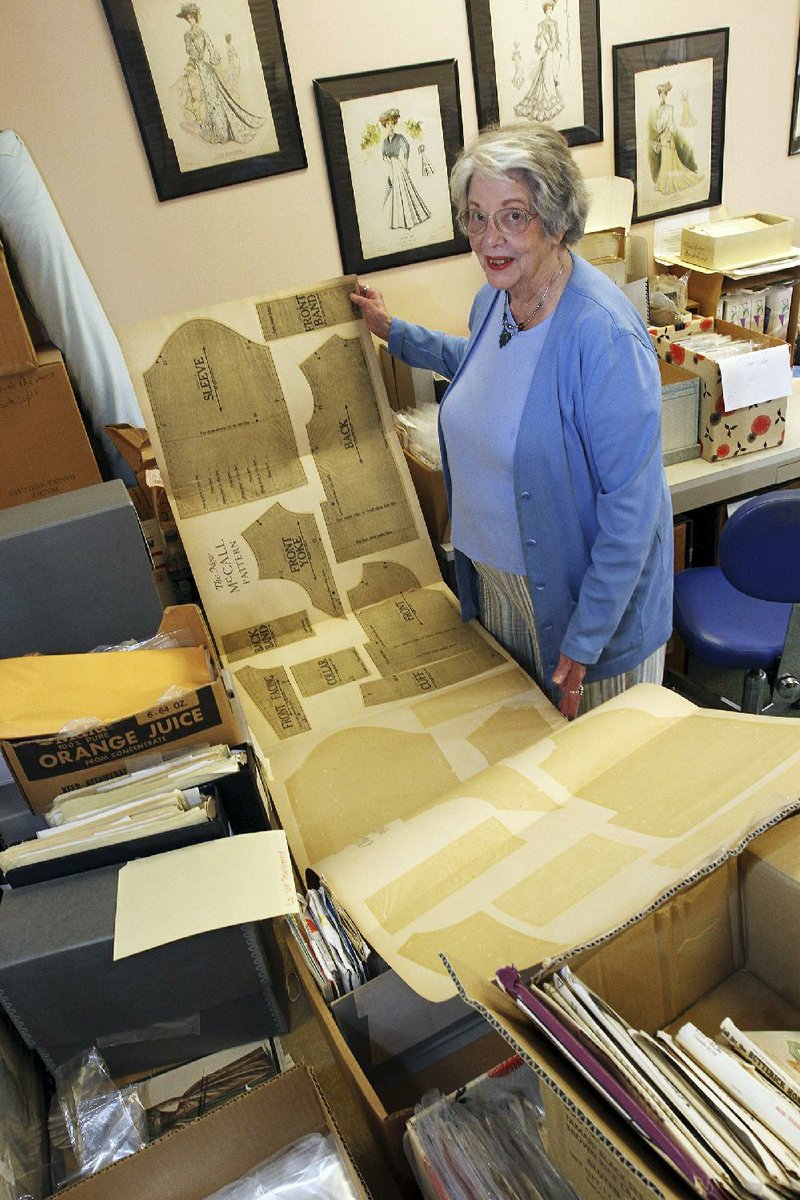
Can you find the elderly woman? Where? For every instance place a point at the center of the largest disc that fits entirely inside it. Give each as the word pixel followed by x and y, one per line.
pixel 551 432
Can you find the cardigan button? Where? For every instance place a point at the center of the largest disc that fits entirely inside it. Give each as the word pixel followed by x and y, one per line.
pixel 540 587
pixel 548 628
pixel 531 541
pixel 524 495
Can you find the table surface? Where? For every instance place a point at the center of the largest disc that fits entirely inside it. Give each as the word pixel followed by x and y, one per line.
pixel 697 482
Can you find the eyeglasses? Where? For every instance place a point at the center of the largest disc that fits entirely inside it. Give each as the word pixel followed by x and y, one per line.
pixel 506 220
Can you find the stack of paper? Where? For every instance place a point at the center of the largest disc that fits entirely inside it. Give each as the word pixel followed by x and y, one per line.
pixel 333 949
pixel 144 803
pixel 183 771
pixel 727 1128
pixel 141 818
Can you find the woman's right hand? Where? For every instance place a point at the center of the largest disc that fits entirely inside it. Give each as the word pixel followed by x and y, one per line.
pixel 373 310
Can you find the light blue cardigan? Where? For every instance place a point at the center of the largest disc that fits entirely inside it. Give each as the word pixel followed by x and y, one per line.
pixel 593 505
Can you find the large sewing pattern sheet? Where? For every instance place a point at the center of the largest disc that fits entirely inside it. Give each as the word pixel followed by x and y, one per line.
pixel 412 763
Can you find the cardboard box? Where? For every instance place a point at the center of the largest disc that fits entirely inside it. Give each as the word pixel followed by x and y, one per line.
pixel 605 242
pixel 429 486
pixel 75 573
pixel 17 822
pixel 406 387
pixel 135 447
pixel 680 413
pixel 605 249
pixel 16 348
pixel 737 241
pixel 726 433
pixel 46 766
pixel 196 1161
pixel 44 449
pixel 389 1096
pixel 64 992
pixel 725 946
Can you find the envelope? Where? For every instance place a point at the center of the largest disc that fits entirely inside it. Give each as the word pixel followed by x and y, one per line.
pixel 39 694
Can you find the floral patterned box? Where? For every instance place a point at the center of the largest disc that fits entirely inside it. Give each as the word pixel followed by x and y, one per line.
pixel 727 432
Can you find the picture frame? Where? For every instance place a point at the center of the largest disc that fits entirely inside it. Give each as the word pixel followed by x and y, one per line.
pixel 794 130
pixel 211 91
pixel 549 70
pixel 669 120
pixel 389 178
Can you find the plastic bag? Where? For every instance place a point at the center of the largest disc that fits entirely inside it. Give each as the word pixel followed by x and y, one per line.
pixel 92 1123
pixel 418 431
pixel 310 1169
pixel 158 641
pixel 477 1148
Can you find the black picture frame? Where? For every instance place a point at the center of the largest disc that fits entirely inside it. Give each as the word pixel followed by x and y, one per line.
pixel 794 130
pixel 656 64
pixel 484 69
pixel 170 179
pixel 358 254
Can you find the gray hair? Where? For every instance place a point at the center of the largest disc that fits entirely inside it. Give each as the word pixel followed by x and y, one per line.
pixel 539 157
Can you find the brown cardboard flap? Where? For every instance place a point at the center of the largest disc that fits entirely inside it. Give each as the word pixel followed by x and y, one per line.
pixel 133 444
pixel 193 1162
pixel 16 348
pixel 429 486
pixel 683 949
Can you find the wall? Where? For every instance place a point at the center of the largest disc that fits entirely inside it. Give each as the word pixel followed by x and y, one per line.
pixel 62 90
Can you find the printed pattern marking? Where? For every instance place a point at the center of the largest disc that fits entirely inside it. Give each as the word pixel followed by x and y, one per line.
pixel 222 419
pixel 366 507
pixel 381 581
pixel 329 671
pixel 267 635
pixel 288 546
pixel 273 695
pixel 307 311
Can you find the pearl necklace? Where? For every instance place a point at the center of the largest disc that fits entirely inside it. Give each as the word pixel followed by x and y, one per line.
pixel 509 325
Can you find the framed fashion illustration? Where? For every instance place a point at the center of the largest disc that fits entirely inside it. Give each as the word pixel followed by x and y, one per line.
pixel 794 132
pixel 541 65
pixel 210 88
pixel 390 140
pixel 669 121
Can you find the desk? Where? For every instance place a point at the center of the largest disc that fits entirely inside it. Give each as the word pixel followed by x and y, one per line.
pixel 697 483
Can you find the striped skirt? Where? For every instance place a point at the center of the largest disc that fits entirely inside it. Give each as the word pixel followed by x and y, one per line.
pixel 505 609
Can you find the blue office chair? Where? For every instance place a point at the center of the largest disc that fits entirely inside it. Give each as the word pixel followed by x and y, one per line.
pixel 745 613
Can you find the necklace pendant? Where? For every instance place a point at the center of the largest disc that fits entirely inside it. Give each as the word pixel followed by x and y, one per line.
pixel 505 337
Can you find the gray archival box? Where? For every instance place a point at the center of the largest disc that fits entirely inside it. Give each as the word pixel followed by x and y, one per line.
pixel 75 573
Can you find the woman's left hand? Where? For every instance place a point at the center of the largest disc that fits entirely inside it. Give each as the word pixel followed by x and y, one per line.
pixel 568 676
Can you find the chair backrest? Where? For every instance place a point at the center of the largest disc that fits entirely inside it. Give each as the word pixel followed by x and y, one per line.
pixel 759 548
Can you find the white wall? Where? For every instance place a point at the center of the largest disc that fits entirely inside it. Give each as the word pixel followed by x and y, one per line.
pixel 62 90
